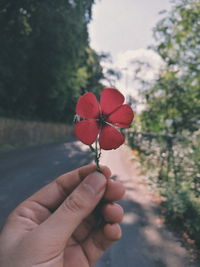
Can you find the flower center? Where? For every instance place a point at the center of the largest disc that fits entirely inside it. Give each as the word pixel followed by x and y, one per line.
pixel 102 119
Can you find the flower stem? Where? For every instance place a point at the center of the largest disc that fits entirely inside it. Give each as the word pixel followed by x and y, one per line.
pixel 97 154
pixel 97 212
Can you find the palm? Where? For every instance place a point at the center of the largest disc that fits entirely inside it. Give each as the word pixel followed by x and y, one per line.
pixel 80 250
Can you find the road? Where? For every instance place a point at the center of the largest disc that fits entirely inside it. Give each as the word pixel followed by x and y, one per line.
pixel 145 241
pixel 24 171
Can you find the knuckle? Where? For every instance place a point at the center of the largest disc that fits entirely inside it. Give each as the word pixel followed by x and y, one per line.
pixel 74 203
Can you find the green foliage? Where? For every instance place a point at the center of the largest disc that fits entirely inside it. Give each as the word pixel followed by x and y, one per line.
pixel 174 100
pixel 169 140
pixel 45 59
pixel 172 164
pixel 170 160
pixel 182 210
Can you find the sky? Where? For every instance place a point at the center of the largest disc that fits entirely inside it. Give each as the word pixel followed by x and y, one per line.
pixel 124 28
pixel 120 25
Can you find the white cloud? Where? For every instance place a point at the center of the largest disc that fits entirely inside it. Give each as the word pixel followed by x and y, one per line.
pixel 125 58
pixel 126 62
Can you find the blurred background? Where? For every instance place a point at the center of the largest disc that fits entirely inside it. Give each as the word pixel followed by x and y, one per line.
pixel 51 52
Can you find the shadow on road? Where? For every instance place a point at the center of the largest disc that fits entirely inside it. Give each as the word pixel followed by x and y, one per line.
pixel 24 171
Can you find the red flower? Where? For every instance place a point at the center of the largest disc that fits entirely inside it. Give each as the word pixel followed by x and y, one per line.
pixel 99 118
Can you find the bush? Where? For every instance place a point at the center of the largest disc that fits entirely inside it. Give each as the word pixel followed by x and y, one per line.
pixel 183 211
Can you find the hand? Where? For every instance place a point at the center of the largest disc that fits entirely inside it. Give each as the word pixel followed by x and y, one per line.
pixel 57 227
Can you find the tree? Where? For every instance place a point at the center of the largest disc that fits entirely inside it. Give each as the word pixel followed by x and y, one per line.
pixel 173 101
pixel 44 56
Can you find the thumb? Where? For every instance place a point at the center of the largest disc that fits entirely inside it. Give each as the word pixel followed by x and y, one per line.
pixel 76 207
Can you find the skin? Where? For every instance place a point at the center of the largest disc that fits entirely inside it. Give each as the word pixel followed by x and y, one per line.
pixel 57 226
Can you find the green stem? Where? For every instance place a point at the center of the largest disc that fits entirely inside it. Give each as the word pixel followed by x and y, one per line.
pixel 97 154
pixel 97 212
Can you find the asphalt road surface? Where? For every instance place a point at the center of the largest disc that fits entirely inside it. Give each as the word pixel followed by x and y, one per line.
pixel 145 241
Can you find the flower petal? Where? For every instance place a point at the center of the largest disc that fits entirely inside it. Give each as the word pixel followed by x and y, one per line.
pixel 122 117
pixel 88 106
pixel 87 131
pixel 110 100
pixel 110 138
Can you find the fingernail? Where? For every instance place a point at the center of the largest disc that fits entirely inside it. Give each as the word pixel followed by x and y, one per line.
pixel 95 182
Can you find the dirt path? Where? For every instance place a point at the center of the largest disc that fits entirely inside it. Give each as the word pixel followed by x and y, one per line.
pixel 145 242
